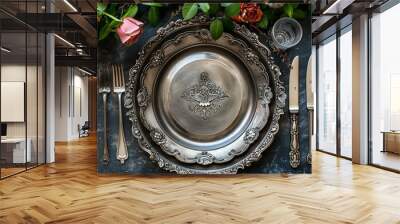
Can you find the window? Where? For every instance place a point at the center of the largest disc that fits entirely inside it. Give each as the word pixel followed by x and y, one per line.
pixel 22 101
pixel 335 74
pixel 385 89
pixel 346 93
pixel 326 104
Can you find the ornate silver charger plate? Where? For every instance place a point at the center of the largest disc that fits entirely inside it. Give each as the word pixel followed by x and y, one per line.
pixel 202 100
pixel 201 106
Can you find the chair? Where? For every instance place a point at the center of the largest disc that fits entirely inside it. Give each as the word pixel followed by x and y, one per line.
pixel 84 130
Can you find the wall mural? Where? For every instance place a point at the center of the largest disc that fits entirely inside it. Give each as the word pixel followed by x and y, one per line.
pixel 199 88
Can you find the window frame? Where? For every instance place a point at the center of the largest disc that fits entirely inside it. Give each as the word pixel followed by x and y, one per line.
pixel 334 37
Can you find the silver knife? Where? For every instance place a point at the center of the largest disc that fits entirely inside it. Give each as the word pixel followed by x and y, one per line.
pixel 310 106
pixel 294 153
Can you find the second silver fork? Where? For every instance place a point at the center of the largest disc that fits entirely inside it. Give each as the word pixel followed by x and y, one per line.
pixel 119 88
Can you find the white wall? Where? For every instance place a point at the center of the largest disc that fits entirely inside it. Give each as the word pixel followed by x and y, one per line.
pixel 81 108
pixel 71 102
pixel 61 103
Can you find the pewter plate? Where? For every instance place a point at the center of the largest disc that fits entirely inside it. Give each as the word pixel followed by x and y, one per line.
pixel 137 99
pixel 207 99
pixel 204 98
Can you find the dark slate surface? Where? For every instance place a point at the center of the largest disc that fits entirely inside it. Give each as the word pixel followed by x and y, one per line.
pixel 274 160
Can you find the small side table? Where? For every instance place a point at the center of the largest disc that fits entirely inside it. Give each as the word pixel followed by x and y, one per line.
pixel 391 141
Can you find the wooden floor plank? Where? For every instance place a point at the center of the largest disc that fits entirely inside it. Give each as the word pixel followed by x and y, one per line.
pixel 71 191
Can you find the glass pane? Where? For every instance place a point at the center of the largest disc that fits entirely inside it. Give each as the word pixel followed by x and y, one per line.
pixel 346 94
pixel 327 97
pixel 385 84
pixel 13 87
pixel 31 98
pixel 41 99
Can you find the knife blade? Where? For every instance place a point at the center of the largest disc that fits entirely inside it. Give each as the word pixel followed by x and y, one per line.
pixel 294 154
pixel 310 107
pixel 294 86
pixel 309 86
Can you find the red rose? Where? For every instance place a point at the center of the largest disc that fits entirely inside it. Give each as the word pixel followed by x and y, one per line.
pixel 130 30
pixel 249 13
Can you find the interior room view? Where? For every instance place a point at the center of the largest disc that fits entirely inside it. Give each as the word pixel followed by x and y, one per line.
pixel 199 112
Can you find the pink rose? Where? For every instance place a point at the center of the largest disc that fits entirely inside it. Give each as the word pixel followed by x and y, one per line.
pixel 130 30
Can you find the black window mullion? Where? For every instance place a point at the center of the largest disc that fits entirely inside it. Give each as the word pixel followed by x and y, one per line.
pixel 369 77
pixel 26 86
pixel 37 90
pixel 317 97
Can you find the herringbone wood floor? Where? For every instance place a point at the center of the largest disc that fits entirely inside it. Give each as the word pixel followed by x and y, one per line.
pixel 70 191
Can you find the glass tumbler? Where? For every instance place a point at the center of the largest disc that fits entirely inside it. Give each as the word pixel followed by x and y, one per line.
pixel 286 33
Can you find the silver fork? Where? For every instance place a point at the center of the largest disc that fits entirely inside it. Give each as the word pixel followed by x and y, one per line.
pixel 119 88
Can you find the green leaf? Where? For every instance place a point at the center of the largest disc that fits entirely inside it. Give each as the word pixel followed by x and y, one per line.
pixel 270 14
pixel 154 4
pixel 131 12
pixel 214 7
pixel 153 16
pixel 216 29
pixel 189 10
pixel 288 10
pixel 112 8
pixel 263 6
pixel 205 7
pixel 105 31
pixel 263 24
pixel 232 10
pixel 228 24
pixel 299 14
pixel 101 7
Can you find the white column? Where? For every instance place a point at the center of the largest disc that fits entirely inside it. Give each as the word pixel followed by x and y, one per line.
pixel 50 101
pixel 360 90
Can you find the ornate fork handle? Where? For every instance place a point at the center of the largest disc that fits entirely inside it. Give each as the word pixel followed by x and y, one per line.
pixel 106 155
pixel 122 151
pixel 294 153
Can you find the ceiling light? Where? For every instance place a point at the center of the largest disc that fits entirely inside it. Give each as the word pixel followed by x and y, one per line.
pixel 84 71
pixel 5 50
pixel 331 8
pixel 337 7
pixel 65 41
pixel 70 5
